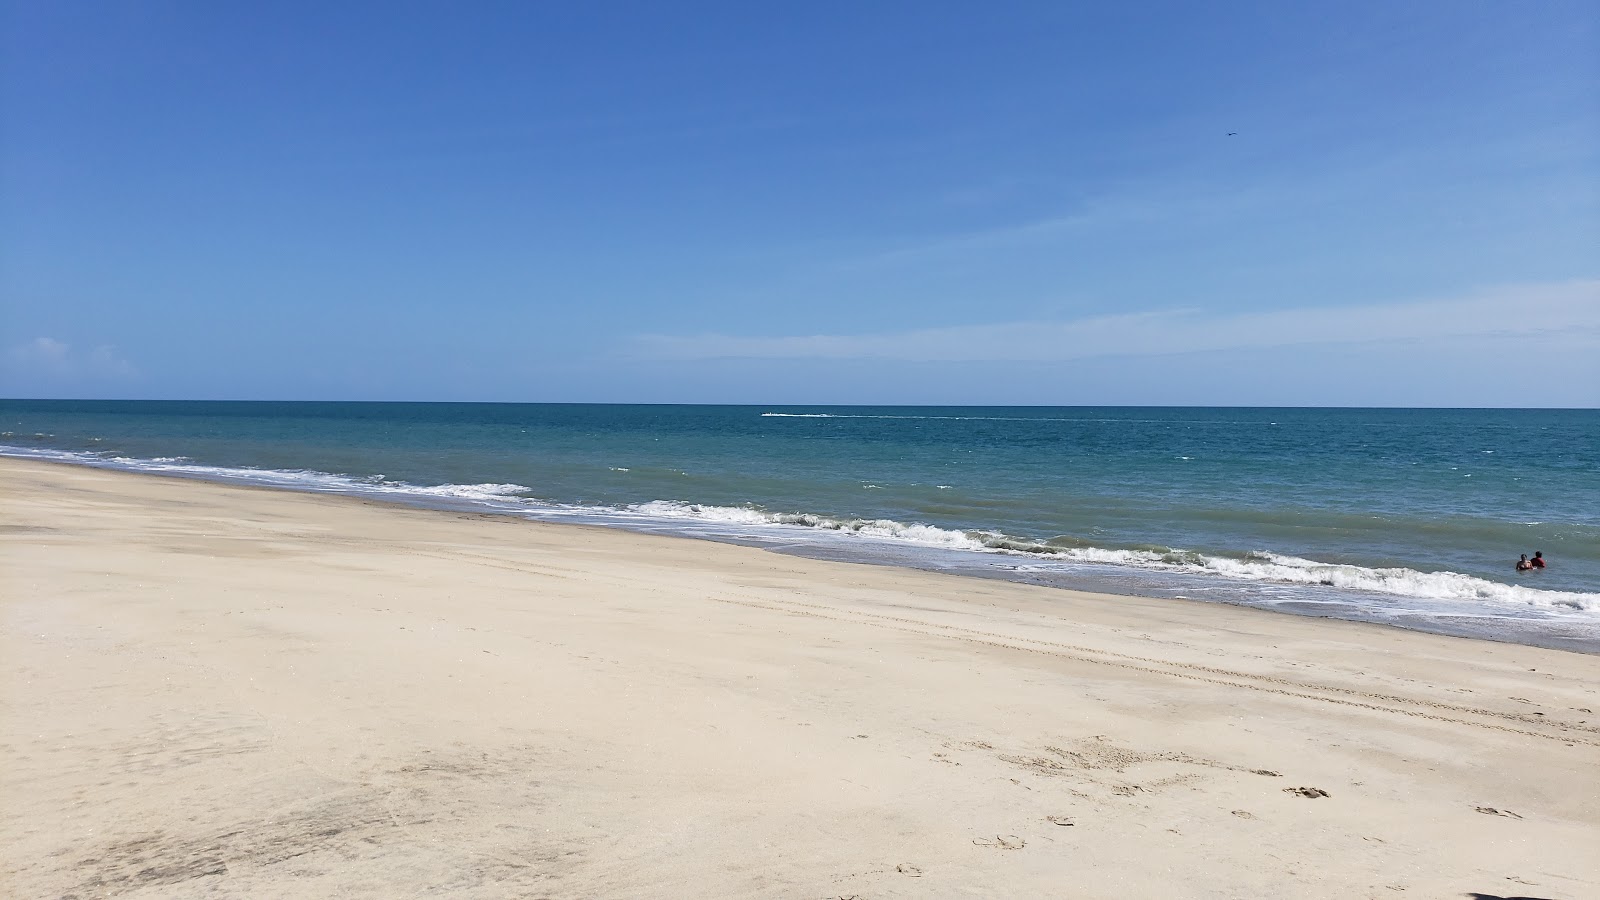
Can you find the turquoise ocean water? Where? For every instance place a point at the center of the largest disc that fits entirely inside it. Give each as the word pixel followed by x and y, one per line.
pixel 1409 517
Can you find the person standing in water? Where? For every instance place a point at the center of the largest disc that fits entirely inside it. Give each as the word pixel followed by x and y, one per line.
pixel 1538 560
pixel 1523 565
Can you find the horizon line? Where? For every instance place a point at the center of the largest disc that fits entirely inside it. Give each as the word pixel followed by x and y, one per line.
pixel 797 405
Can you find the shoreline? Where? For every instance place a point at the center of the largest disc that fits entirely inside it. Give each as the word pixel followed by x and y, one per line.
pixel 214 687
pixel 1548 633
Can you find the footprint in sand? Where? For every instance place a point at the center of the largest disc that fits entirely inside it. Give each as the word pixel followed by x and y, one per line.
pixel 1059 820
pixel 1310 792
pixel 905 869
pixel 1491 811
pixel 1002 842
pixel 1243 814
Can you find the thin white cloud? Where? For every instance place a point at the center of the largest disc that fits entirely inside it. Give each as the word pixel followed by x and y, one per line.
pixel 1050 230
pixel 50 358
pixel 1569 308
pixel 1181 196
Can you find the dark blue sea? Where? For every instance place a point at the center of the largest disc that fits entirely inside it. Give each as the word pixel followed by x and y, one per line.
pixel 1404 516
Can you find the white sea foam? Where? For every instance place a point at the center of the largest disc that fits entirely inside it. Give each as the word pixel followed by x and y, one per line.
pixel 673 509
pixel 1401 581
pixel 299 479
pixel 464 491
pixel 1272 567
pixel 1260 567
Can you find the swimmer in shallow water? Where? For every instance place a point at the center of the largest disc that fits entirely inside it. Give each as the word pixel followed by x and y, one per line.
pixel 1523 565
pixel 1538 559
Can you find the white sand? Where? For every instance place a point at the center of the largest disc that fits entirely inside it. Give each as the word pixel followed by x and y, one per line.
pixel 213 691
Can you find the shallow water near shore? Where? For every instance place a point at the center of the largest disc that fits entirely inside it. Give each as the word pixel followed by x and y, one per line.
pixel 1407 517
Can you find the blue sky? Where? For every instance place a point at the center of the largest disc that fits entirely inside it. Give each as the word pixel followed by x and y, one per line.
pixel 847 203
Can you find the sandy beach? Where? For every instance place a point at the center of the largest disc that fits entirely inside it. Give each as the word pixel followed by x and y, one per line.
pixel 220 691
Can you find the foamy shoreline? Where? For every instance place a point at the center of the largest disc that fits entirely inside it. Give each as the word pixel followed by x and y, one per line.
pixel 216 689
pixel 1440 602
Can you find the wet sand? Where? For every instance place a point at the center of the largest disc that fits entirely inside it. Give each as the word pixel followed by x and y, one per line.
pixel 223 691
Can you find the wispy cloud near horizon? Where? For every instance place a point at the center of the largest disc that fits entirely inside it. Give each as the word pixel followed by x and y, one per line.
pixel 1570 308
pixel 49 358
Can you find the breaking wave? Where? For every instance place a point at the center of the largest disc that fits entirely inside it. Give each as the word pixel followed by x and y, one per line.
pixel 295 479
pixel 1259 566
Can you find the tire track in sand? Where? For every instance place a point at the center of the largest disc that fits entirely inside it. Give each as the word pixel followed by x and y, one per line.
pixel 1268 684
pixel 1189 671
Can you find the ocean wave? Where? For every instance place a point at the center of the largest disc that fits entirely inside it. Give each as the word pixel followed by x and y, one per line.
pixel 1259 566
pixel 462 491
pixel 1256 567
pixel 297 479
pixel 1405 582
